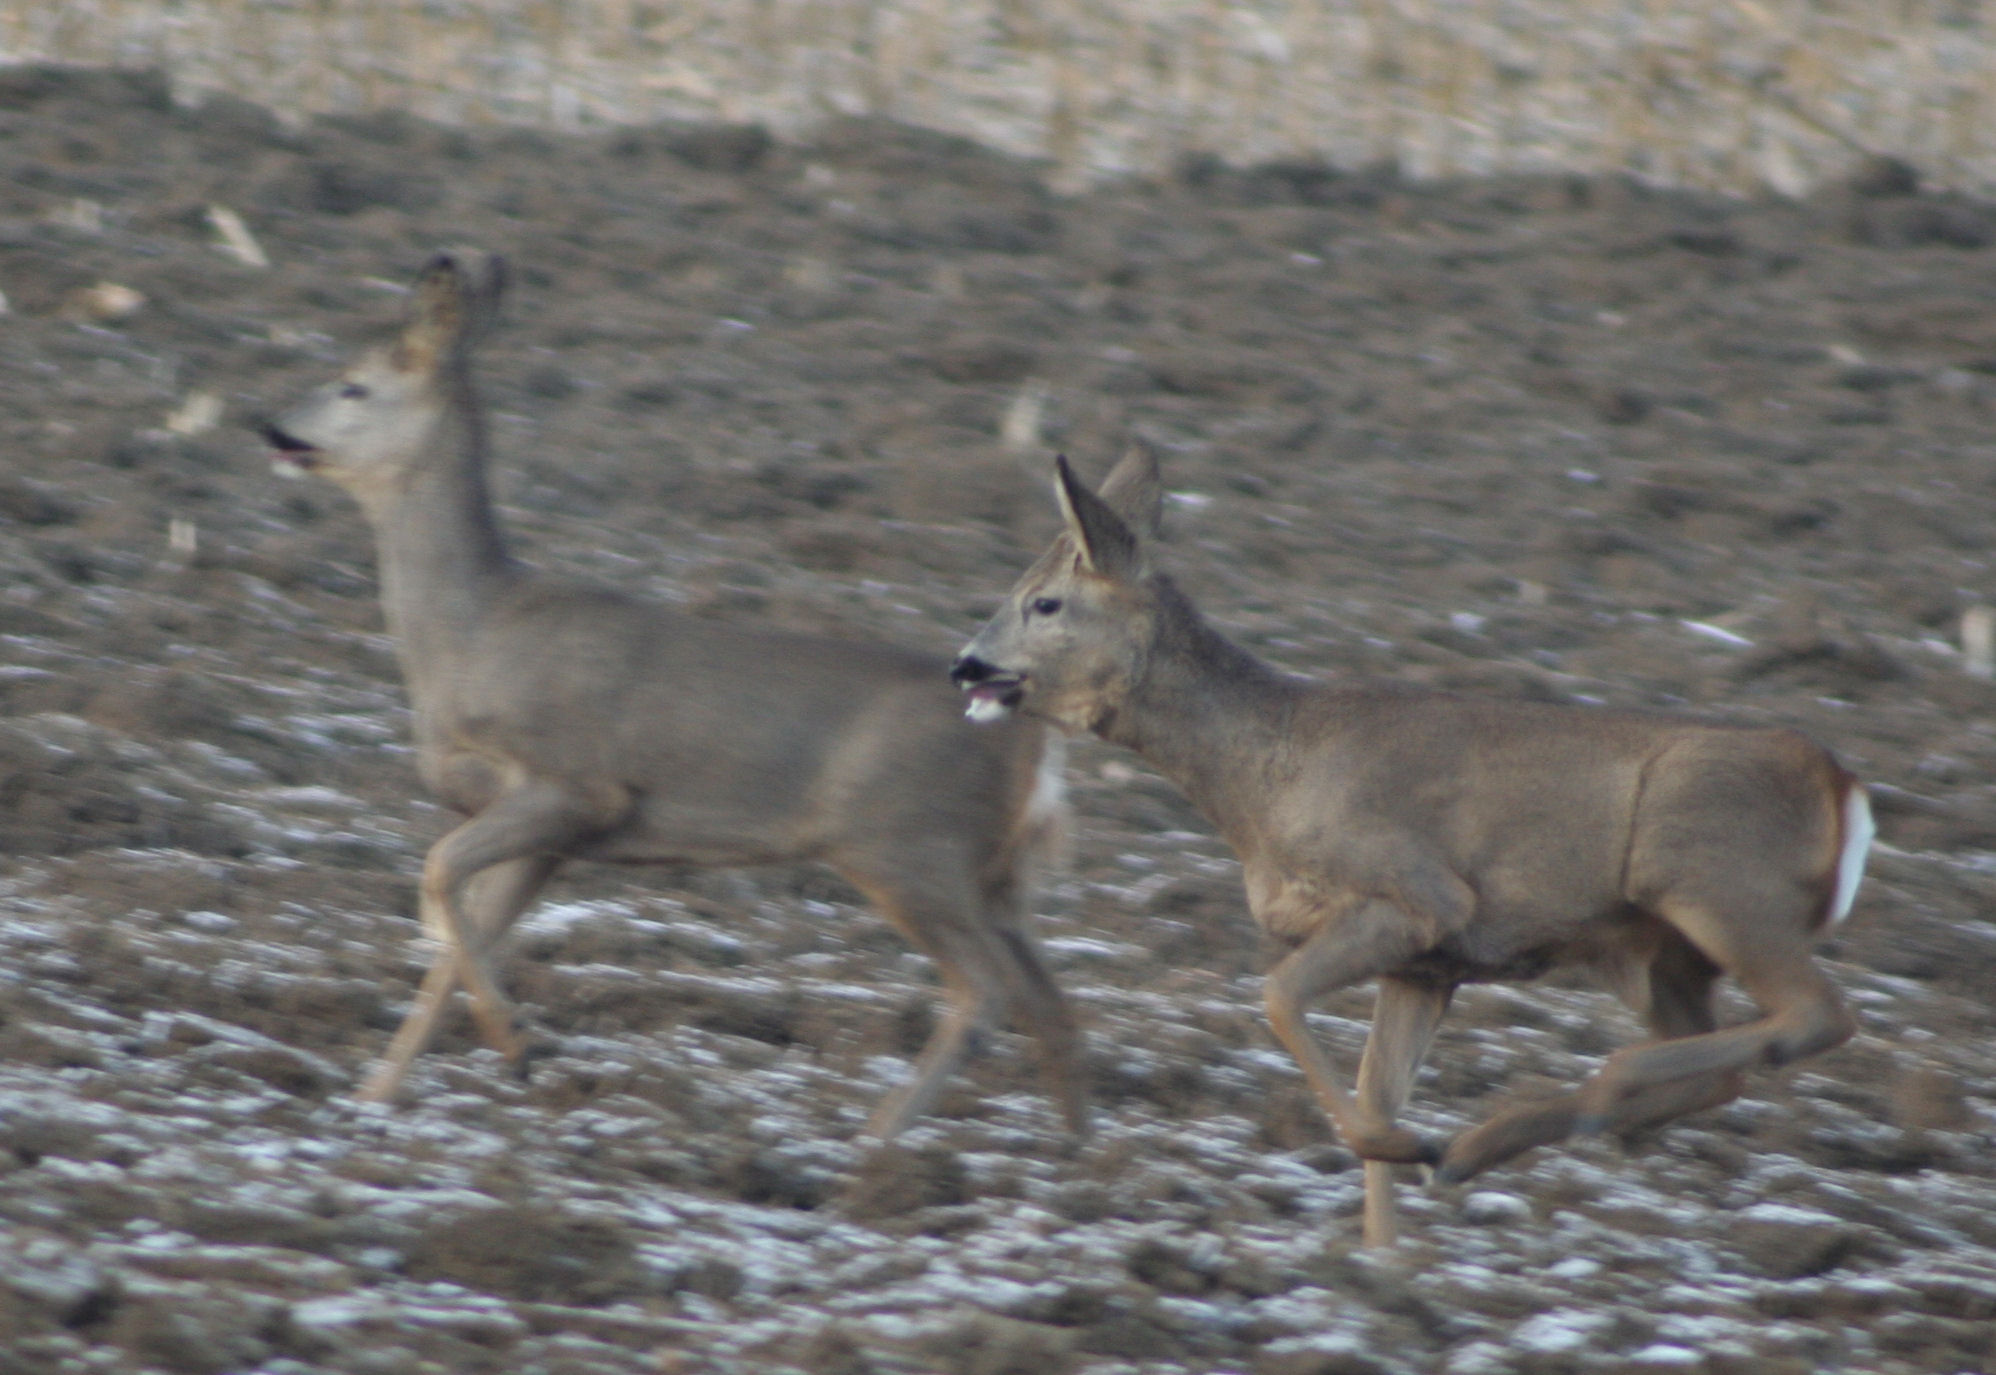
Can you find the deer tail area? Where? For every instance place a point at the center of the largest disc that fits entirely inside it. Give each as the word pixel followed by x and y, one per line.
pixel 1858 830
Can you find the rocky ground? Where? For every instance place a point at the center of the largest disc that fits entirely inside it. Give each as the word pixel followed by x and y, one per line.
pixel 1562 439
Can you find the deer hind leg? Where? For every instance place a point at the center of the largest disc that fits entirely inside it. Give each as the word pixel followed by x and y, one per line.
pixel 941 919
pixel 1404 1019
pixel 1356 946
pixel 1679 1005
pixel 1803 1015
pixel 974 1000
pixel 476 882
pixel 1045 1009
pixel 1674 994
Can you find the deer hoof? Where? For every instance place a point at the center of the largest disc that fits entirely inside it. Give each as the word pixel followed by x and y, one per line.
pixel 1458 1166
pixel 1396 1146
pixel 1453 1172
pixel 534 1051
pixel 373 1094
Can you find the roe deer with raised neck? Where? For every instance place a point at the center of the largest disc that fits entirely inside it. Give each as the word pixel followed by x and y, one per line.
pixel 569 721
pixel 1428 840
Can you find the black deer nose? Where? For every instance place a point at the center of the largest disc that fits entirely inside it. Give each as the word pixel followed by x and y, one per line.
pixel 969 669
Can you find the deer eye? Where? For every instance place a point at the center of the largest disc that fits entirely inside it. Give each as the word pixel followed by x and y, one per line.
pixel 354 391
pixel 1046 606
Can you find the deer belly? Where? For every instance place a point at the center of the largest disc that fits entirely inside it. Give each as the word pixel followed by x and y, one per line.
pixel 1449 965
pixel 708 832
pixel 1493 950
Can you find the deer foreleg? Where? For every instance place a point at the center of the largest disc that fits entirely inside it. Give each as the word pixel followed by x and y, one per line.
pixel 1363 944
pixel 1403 1025
pixel 418 1028
pixel 493 900
pixel 476 881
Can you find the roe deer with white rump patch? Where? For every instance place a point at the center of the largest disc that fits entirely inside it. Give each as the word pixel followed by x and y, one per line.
pixel 1428 840
pixel 569 721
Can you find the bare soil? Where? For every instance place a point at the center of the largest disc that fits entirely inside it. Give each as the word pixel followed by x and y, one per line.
pixel 1567 439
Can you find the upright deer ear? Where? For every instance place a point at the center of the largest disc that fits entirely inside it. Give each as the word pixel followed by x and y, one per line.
pixel 455 304
pixel 482 282
pixel 1135 491
pixel 1105 543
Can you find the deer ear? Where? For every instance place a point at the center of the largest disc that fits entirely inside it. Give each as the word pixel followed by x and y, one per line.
pixel 1135 491
pixel 1105 543
pixel 482 281
pixel 455 304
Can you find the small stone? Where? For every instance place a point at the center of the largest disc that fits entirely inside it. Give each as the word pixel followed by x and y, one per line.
pixel 1489 1208
pixel 106 301
pixel 1786 1242
pixel 1328 1355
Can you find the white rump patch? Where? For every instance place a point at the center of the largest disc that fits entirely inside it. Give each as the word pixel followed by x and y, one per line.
pixel 983 708
pixel 1858 831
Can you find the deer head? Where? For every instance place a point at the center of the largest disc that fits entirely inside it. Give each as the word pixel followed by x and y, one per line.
pixel 1073 636
pixel 369 428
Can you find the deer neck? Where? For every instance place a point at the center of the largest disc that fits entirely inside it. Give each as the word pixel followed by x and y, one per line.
pixel 443 560
pixel 1207 714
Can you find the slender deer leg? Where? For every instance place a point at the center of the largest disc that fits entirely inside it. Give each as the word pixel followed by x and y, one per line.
pixel 940 925
pixel 521 836
pixel 1046 1011
pixel 1520 1128
pixel 1804 1015
pixel 987 965
pixel 953 1041
pixel 1513 1131
pixel 466 951
pixel 416 1031
pixel 1676 1001
pixel 1681 980
pixel 493 900
pixel 1360 945
pixel 1404 1019
pixel 1803 1021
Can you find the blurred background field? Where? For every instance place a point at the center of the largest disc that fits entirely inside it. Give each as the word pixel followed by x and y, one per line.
pixel 1732 95
pixel 1512 421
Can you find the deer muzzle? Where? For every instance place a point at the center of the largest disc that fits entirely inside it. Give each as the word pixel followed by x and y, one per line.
pixel 993 693
pixel 290 456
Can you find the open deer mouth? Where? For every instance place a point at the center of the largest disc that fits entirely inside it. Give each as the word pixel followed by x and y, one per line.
pixel 290 455
pixel 992 691
pixel 993 699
